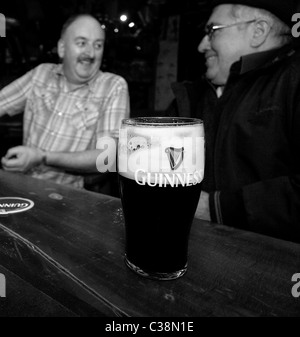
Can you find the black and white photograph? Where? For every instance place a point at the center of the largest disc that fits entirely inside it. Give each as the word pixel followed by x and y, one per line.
pixel 149 161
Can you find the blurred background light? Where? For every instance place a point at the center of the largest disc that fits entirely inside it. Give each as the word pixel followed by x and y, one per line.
pixel 123 18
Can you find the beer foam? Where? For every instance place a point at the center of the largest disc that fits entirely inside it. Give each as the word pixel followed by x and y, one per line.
pixel 172 131
pixel 171 150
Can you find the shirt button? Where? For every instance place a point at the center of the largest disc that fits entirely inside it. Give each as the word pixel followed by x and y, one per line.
pixel 52 133
pixel 60 114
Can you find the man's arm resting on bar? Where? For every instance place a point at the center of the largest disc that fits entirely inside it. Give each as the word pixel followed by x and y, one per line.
pixel 22 159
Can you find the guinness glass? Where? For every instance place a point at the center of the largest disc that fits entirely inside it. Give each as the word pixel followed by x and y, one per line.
pixel 161 167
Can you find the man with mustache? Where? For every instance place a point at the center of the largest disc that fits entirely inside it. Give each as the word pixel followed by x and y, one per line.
pixel 67 108
pixel 249 100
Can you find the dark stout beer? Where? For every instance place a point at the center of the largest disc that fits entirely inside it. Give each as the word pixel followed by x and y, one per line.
pixel 158 222
pixel 161 166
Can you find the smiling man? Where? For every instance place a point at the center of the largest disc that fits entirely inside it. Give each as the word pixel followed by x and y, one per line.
pixel 249 102
pixel 81 48
pixel 67 108
pixel 221 53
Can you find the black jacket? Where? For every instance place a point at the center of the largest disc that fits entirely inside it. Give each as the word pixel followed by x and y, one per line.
pixel 252 168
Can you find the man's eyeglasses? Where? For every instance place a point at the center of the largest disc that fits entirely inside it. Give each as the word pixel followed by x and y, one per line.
pixel 211 29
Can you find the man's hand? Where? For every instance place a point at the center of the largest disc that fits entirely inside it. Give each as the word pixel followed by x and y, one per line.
pixel 203 211
pixel 22 159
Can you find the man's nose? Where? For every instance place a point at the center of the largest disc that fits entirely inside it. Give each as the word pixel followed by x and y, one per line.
pixel 90 50
pixel 204 45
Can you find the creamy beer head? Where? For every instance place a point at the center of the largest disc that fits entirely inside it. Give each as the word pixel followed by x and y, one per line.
pixel 162 151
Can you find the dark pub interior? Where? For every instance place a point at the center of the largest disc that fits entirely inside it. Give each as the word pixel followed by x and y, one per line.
pixel 149 161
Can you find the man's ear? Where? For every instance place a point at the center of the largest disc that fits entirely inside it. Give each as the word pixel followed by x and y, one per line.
pixel 61 48
pixel 260 34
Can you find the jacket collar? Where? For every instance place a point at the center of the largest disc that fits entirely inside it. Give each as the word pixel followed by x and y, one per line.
pixel 261 60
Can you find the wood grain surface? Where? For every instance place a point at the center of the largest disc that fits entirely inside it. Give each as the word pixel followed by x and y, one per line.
pixel 70 249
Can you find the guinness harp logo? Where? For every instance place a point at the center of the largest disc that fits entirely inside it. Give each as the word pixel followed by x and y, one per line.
pixel 175 156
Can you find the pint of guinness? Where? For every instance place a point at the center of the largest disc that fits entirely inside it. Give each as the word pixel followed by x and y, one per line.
pixel 161 167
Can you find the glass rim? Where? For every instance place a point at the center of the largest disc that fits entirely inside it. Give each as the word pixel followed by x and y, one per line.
pixel 161 121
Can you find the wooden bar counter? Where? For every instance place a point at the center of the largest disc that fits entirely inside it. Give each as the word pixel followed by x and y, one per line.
pixel 65 257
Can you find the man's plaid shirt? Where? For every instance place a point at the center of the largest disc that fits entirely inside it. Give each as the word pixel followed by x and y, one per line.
pixel 59 120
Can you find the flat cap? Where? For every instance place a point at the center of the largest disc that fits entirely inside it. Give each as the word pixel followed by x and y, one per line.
pixel 283 9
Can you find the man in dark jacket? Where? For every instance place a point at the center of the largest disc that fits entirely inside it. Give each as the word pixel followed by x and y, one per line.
pixel 250 104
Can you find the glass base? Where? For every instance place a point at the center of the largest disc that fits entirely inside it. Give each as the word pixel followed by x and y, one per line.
pixel 156 275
